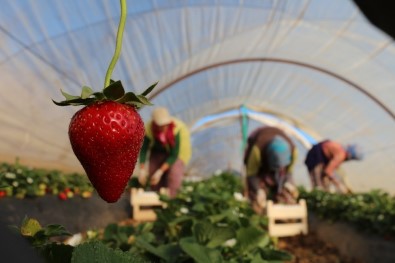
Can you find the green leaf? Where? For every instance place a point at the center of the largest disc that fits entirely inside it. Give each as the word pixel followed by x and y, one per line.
pixel 220 236
pixel 199 253
pixel 55 230
pixel 94 252
pixel 75 102
pixel 219 217
pixel 181 219
pixel 59 253
pixel 147 236
pixel 146 227
pixel 166 252
pixel 86 92
pixel 199 207
pixel 249 238
pixel 110 231
pixel 128 97
pixel 135 103
pixel 114 91
pixel 272 255
pixel 99 95
pixel 258 259
pixel 203 231
pixel 169 251
pixel 144 100
pixel 30 227
pixel 150 88
pixel 68 96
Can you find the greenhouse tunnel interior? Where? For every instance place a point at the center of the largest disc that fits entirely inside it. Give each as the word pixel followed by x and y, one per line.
pixel 317 68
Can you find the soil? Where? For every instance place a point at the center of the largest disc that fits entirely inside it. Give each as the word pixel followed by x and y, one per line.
pixel 76 214
pixel 309 249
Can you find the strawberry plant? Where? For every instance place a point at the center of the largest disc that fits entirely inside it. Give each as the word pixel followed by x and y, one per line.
pixel 20 181
pixel 372 212
pixel 40 238
pixel 107 134
pixel 43 239
pixel 206 222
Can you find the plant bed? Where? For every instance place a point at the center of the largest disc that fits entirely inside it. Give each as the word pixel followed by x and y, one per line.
pixel 353 243
pixel 372 212
pixel 208 222
pixel 311 249
pixel 361 225
pixel 76 214
pixel 22 182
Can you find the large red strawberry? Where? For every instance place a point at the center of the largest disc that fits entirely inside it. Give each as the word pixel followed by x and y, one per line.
pixel 106 136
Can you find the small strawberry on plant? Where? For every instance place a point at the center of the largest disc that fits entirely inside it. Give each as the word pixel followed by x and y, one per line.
pixel 107 134
pixel 70 194
pixel 42 186
pixel 86 194
pixel 62 196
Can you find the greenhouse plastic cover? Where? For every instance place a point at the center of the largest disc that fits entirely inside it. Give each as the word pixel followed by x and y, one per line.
pixel 316 68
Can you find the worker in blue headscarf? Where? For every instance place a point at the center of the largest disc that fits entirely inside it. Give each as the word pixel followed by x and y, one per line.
pixel 268 159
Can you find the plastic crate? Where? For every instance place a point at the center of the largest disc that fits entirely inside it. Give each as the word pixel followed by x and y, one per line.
pixel 287 220
pixel 144 202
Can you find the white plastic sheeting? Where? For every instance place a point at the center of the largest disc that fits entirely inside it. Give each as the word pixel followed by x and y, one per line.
pixel 317 64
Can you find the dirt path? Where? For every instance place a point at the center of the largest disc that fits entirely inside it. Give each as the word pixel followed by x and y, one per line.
pixel 309 249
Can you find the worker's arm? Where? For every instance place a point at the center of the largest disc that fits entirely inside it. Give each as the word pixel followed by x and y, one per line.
pixel 294 157
pixel 336 154
pixel 144 150
pixel 341 187
pixel 253 161
pixel 330 172
pixel 333 164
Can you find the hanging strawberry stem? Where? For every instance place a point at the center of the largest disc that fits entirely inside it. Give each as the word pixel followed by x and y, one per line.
pixel 113 90
pixel 118 47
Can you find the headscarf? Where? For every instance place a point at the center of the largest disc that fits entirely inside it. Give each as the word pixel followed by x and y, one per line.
pixel 355 152
pixel 278 153
pixel 166 136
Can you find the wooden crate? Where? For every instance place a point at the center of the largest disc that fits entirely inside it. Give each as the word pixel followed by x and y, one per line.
pixel 144 202
pixel 287 220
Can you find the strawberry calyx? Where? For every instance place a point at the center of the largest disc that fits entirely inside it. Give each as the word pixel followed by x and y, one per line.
pixel 114 92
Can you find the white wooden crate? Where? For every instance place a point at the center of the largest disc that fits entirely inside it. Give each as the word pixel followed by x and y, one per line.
pixel 293 219
pixel 143 203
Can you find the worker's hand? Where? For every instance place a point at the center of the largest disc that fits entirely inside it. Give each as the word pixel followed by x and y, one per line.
pixel 261 198
pixel 291 189
pixel 156 177
pixel 142 176
pixel 349 191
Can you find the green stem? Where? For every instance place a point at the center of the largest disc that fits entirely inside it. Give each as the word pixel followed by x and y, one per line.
pixel 118 47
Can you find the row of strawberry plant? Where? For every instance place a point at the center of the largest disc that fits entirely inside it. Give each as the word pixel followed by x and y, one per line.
pixel 372 212
pixel 208 221
pixel 21 181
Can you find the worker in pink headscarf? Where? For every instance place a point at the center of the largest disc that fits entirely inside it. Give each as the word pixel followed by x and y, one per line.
pixel 165 152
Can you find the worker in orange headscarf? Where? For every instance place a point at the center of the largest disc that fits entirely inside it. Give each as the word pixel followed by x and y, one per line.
pixel 324 158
